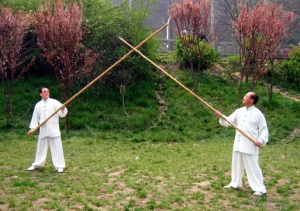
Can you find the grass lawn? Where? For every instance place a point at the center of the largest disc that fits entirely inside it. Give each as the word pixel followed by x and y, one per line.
pixel 106 173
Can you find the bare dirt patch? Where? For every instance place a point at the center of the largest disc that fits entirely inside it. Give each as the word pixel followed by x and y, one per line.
pixel 272 168
pixel 282 182
pixel 3 206
pixel 117 173
pixel 40 201
pixel 270 206
pixel 203 184
pixel 119 187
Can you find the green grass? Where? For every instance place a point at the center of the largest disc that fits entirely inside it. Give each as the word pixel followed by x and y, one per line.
pixel 123 175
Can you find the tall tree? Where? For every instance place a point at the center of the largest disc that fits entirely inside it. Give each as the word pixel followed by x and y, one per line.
pixel 59 30
pixel 192 23
pixel 14 60
pixel 259 32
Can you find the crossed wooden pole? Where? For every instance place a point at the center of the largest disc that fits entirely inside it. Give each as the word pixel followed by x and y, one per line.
pixel 135 49
pixel 184 87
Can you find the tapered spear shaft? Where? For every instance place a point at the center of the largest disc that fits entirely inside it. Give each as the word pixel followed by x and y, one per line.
pixel 184 87
pixel 96 79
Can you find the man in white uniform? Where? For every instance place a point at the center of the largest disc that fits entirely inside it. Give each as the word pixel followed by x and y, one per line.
pixel 245 153
pixel 49 132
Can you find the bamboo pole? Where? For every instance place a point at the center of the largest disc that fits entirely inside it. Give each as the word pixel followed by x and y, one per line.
pixel 96 79
pixel 192 93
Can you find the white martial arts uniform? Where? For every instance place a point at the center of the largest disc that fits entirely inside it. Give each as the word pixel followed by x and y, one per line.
pixel 245 153
pixel 49 132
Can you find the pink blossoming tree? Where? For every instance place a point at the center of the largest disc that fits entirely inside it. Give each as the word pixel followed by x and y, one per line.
pixel 14 60
pixel 259 32
pixel 60 32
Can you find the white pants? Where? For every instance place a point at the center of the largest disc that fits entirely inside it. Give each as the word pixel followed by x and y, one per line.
pixel 241 161
pixel 57 153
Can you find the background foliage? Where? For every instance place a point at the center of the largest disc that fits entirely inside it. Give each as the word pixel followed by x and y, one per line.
pixel 208 58
pixel 291 66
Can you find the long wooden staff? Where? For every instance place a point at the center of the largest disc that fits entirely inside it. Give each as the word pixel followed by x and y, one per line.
pixel 192 93
pixel 96 79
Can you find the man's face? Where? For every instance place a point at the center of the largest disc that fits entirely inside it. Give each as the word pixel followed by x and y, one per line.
pixel 247 101
pixel 45 93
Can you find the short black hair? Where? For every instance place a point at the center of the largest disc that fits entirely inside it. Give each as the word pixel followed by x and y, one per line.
pixel 41 89
pixel 255 98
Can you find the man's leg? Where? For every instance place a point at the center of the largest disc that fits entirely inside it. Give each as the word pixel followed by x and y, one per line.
pixel 254 173
pixel 237 170
pixel 41 152
pixel 57 152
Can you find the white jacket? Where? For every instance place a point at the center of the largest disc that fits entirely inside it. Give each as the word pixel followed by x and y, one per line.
pixel 251 121
pixel 43 110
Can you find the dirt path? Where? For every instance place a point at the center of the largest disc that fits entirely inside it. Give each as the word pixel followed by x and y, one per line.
pixel 163 105
pixel 285 94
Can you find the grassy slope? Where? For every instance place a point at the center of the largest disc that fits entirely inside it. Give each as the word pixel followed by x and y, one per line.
pixel 185 119
pixel 183 159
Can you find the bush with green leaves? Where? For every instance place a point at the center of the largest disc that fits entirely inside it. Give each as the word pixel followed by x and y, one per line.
pixel 196 54
pixel 203 58
pixel 291 67
pixel 232 65
pixel 109 22
pixel 26 5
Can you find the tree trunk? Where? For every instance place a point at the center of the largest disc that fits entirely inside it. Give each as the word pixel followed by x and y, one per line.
pixel 8 96
pixel 67 94
pixel 194 76
pixel 68 118
pixel 270 82
pixel 240 88
pixel 122 91
pixel 6 103
pixel 247 74
pixel 10 104
pixel 239 94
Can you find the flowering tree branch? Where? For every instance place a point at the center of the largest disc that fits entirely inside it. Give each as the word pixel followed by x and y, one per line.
pixel 13 62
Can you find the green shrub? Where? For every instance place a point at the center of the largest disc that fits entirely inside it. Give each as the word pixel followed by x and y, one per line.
pixel 169 58
pixel 291 67
pixel 234 63
pixel 109 22
pixel 204 57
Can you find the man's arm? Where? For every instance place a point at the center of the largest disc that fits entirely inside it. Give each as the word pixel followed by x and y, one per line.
pixel 63 110
pixel 231 118
pixel 34 120
pixel 263 132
